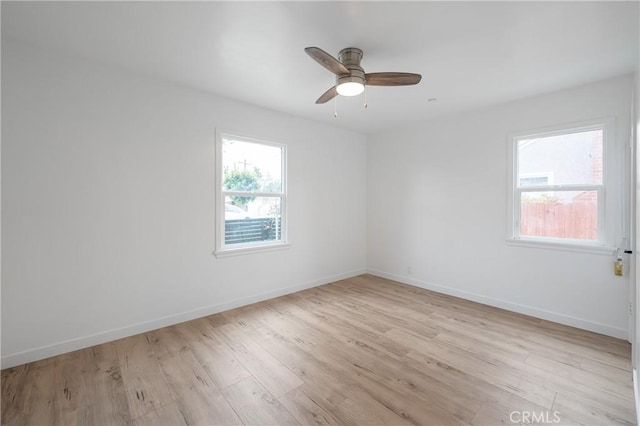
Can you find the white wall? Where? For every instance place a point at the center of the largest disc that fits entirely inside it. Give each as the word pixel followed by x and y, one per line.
pixel 108 204
pixel 437 203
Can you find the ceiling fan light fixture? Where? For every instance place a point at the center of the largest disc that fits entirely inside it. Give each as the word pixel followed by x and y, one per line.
pixel 350 88
pixel 351 84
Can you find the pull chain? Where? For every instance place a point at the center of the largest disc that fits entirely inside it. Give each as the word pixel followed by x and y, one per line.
pixel 365 96
pixel 335 106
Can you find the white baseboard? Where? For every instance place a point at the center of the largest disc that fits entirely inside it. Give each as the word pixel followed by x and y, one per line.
pixel 596 327
pixel 95 339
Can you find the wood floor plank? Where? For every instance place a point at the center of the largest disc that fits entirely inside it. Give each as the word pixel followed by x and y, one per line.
pixel 547 342
pixel 586 413
pixel 104 398
pixel 328 386
pixel 255 405
pixel 273 375
pixel 42 392
pixel 494 373
pixel 617 386
pixel 146 388
pixel 199 401
pixel 364 350
pixel 307 407
pixel 365 409
pixel 165 415
pixel 216 358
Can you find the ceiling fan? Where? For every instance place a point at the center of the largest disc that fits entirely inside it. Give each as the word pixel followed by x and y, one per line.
pixel 350 76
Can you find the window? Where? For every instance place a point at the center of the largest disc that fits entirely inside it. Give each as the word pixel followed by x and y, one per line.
pixel 251 195
pixel 558 181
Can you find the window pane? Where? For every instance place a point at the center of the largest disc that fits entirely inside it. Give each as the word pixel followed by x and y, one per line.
pixel 251 167
pixel 574 158
pixel 559 214
pixel 252 219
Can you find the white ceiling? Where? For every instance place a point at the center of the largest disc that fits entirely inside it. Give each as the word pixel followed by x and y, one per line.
pixel 470 54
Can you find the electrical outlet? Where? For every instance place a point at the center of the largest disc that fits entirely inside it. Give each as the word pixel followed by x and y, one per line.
pixel 630 308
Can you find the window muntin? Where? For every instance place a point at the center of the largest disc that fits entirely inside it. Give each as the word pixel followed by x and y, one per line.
pixel 558 181
pixel 533 180
pixel 251 194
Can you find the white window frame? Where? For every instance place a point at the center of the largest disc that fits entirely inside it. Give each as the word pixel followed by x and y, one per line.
pixel 604 243
pixel 224 250
pixel 548 175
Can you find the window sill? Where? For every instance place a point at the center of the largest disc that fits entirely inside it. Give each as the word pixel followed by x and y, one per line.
pixel 549 245
pixel 250 250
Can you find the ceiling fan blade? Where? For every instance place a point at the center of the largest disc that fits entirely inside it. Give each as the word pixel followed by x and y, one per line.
pixel 327 96
pixel 392 79
pixel 326 60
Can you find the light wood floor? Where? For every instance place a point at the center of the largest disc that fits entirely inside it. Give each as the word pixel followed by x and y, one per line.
pixel 360 351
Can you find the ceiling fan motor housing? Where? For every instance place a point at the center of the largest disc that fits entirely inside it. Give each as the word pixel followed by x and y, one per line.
pixel 350 58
